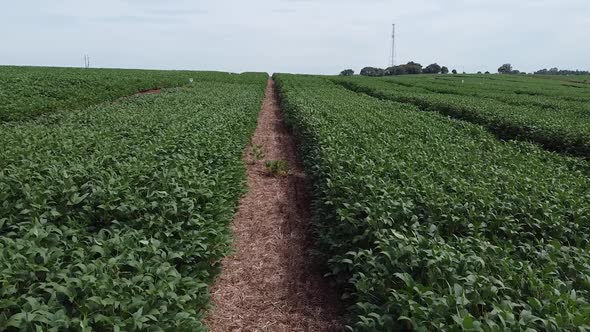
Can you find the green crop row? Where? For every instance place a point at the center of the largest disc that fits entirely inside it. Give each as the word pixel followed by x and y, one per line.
pixel 26 92
pixel 564 130
pixel 523 86
pixel 430 223
pixel 534 92
pixel 115 217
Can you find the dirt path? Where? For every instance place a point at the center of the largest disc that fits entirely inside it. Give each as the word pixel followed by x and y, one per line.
pixel 270 283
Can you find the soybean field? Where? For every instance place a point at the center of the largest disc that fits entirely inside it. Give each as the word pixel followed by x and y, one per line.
pixel 228 201
pixel 552 113
pixel 114 217
pixel 29 91
pixel 429 221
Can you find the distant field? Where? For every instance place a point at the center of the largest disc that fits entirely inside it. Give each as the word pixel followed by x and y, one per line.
pixel 26 92
pixel 570 78
pixel 550 112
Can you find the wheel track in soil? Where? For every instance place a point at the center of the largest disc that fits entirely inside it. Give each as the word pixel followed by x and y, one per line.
pixel 270 282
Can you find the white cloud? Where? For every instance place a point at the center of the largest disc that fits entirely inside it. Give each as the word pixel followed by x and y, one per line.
pixel 320 36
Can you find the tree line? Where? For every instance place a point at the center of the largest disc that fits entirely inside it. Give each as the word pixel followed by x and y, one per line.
pixel 507 69
pixel 407 69
pixel 555 71
pixel 412 68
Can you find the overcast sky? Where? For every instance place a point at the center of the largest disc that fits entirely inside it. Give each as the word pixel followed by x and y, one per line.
pixel 303 36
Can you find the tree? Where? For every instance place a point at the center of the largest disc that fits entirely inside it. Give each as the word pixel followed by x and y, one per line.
pixel 444 70
pixel 505 69
pixel 347 72
pixel 413 67
pixel 408 68
pixel 479 72
pixel 455 71
pixel 432 69
pixel 372 71
pixel 395 70
pixel 541 71
pixel 487 72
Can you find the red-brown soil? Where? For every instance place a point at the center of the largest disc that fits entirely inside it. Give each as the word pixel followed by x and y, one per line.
pixel 146 92
pixel 271 282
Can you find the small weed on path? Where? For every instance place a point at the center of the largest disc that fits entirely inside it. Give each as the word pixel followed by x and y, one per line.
pixel 256 152
pixel 277 167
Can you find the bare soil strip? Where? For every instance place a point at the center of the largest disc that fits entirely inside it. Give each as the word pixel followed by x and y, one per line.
pixel 146 92
pixel 270 283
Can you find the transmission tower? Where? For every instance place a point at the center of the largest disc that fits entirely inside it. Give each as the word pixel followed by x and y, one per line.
pixel 86 61
pixel 393 46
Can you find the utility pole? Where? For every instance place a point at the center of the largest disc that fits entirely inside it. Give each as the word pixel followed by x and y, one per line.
pixel 393 46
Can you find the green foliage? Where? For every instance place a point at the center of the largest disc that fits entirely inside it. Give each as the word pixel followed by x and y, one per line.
pixel 411 68
pixel 372 72
pixel 566 72
pixel 347 72
pixel 115 217
pixel 277 167
pixel 430 223
pixel 434 68
pixel 256 152
pixel 26 92
pixel 505 69
pixel 543 111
